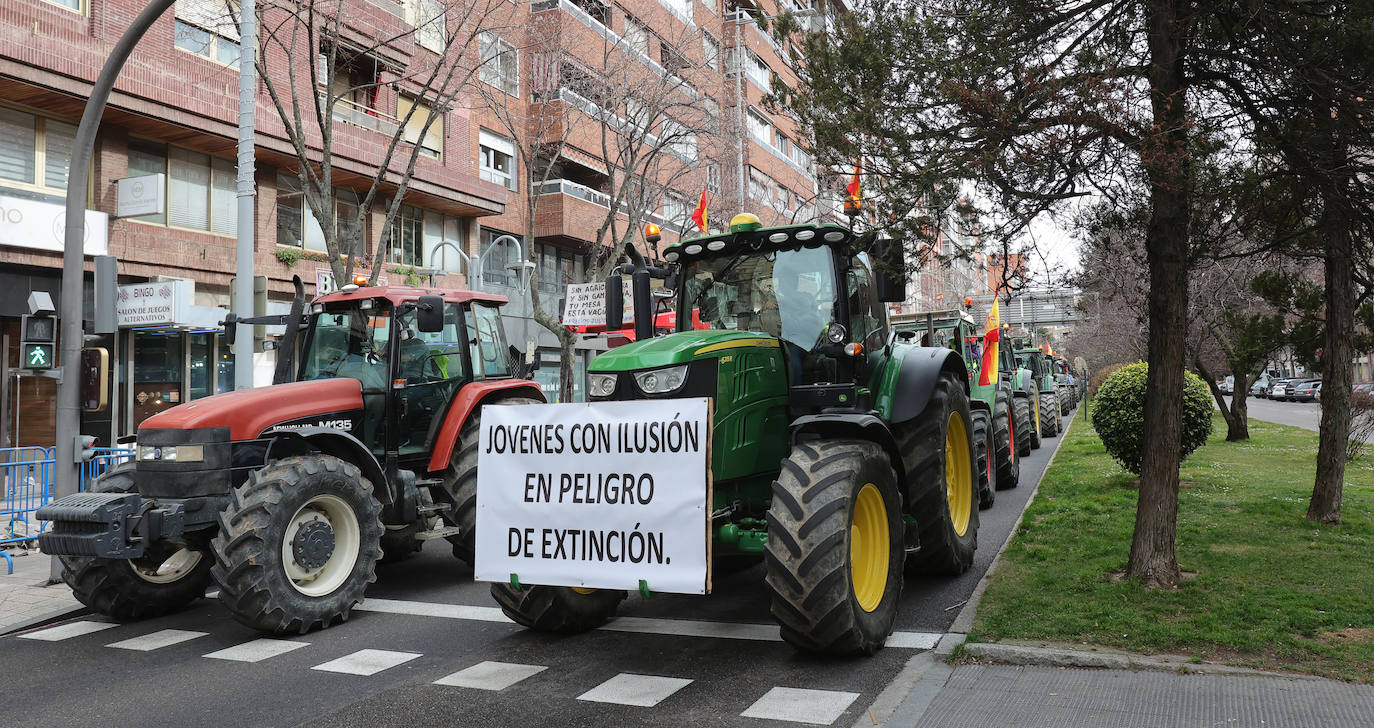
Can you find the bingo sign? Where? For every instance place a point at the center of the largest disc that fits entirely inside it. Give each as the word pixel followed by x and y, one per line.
pixel 152 303
pixel 600 495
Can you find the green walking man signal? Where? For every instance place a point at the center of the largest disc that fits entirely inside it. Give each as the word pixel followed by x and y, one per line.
pixel 38 356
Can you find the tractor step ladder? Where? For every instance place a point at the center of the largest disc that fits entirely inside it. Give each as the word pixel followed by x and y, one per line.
pixel 444 532
pixel 428 482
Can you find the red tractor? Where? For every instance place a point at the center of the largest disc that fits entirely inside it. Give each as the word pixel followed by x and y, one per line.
pixel 287 496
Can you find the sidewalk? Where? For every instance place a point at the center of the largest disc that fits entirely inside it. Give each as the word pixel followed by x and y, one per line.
pixel 25 597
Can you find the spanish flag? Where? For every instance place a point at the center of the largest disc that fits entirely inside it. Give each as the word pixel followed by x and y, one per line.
pixel 853 188
pixel 990 339
pixel 699 214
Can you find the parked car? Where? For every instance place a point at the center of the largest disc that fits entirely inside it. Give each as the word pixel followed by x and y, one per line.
pixel 1260 388
pixel 1366 387
pixel 1227 385
pixel 1278 388
pixel 1307 391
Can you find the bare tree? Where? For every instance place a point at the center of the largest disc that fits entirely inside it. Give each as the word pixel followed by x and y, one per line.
pixel 325 65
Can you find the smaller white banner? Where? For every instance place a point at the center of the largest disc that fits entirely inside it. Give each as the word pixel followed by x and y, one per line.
pixel 585 304
pixel 43 225
pixel 146 195
pixel 599 495
pixel 152 303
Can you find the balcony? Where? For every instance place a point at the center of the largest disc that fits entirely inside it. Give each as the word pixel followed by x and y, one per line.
pixel 611 37
pixel 357 114
pixel 575 211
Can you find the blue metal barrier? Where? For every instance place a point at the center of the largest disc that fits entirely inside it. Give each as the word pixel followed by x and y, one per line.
pixel 26 480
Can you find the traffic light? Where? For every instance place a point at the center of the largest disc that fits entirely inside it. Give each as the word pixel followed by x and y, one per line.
pixel 85 448
pixel 38 341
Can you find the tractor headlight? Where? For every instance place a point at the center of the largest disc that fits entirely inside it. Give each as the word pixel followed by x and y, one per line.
pixel 172 453
pixel 662 381
pixel 835 333
pixel 601 385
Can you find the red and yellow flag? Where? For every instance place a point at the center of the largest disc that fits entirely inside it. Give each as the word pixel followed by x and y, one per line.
pixel 853 188
pixel 699 214
pixel 990 339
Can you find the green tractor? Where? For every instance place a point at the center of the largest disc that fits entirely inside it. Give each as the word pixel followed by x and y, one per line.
pixel 1046 404
pixel 995 427
pixel 842 456
pixel 1025 399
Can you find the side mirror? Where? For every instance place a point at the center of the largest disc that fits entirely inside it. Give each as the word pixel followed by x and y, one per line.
pixel 231 328
pixel 615 303
pixel 890 270
pixel 429 314
pixel 670 281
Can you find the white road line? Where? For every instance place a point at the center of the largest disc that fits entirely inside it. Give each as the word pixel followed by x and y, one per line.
pixel 491 675
pixel 257 650
pixel 644 691
pixel 66 631
pixel 640 625
pixel 157 640
pixel 367 662
pixel 817 707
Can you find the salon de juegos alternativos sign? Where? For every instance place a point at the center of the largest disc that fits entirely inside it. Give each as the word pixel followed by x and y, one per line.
pixel 600 495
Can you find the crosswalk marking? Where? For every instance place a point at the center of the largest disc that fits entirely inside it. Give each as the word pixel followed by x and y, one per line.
pixel 367 662
pixel 491 675
pixel 644 691
pixel 817 707
pixel 257 650
pixel 638 625
pixel 66 631
pixel 156 640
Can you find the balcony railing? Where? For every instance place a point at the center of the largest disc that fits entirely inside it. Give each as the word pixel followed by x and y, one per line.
pixel 613 120
pixel 612 37
pixel 598 198
pixel 357 114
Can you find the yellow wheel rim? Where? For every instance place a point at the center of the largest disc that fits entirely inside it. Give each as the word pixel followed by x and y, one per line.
pixel 1035 402
pixel 583 590
pixel 868 547
pixel 958 474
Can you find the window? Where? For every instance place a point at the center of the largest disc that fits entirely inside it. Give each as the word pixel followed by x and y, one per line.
pixel 681 143
pixel 354 83
pixel 555 268
pixel 497 161
pixel 297 225
pixel 201 190
pixel 784 145
pixel 599 10
pixel 496 265
pixel 800 156
pixel 76 5
pixel 675 210
pixel 428 18
pixel 755 68
pixel 759 127
pixel 430 140
pixel 760 187
pixel 636 35
pixel 710 50
pixel 34 151
pixel 681 8
pixel 672 60
pixel 207 28
pixel 500 64
pixel 407 240
pixel 713 177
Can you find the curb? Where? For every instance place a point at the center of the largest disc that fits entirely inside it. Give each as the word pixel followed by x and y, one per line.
pixel 1060 657
pixel 909 694
pixel 45 620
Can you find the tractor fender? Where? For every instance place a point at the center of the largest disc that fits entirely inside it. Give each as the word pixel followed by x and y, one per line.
pixel 863 426
pixel 334 442
pixel 919 370
pixel 467 399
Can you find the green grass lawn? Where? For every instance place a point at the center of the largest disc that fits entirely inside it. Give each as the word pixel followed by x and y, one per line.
pixel 1271 590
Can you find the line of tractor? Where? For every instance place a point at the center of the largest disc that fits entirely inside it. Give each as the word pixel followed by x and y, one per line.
pixel 848 449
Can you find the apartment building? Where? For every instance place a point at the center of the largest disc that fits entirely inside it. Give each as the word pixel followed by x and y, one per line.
pixel 171 122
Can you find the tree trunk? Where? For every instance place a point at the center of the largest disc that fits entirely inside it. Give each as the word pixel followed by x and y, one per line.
pixel 1217 396
pixel 1238 424
pixel 1338 350
pixel 1168 167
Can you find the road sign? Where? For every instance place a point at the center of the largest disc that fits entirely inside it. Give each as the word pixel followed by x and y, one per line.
pixel 38 356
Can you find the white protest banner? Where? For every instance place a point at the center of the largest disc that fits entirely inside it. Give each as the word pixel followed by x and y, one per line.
pixel 585 304
pixel 599 495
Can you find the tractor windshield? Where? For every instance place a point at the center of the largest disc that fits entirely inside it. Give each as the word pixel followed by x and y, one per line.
pixel 347 340
pixel 789 294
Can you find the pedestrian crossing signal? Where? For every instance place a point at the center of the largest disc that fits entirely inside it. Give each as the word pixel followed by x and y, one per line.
pixel 38 356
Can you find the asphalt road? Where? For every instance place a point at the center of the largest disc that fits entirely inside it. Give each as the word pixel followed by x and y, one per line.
pixel 1306 415
pixel 667 661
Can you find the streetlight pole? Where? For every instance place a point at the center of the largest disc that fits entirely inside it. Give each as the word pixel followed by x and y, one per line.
pixel 243 266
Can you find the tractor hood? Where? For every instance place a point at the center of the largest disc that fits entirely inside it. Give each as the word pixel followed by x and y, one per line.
pixel 676 348
pixel 248 412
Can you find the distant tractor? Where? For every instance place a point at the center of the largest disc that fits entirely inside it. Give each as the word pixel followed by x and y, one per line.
pixel 286 496
pixel 842 456
pixel 1046 404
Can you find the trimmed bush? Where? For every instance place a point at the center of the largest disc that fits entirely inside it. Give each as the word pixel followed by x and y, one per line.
pixel 1100 376
pixel 1119 414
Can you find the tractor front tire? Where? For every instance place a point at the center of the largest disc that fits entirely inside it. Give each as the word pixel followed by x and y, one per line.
pixel 298 544
pixel 987 478
pixel 1007 460
pixel 1049 414
pixel 164 580
pixel 1065 401
pixel 834 553
pixel 1021 411
pixel 460 481
pixel 560 609
pixel 941 490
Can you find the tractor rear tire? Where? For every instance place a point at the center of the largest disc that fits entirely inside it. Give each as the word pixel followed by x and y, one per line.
pixel 941 494
pixel 1049 414
pixel 1065 401
pixel 1021 418
pixel 460 481
pixel 1006 459
pixel 298 544
pixel 165 580
pixel 560 609
pixel 834 553
pixel 987 479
